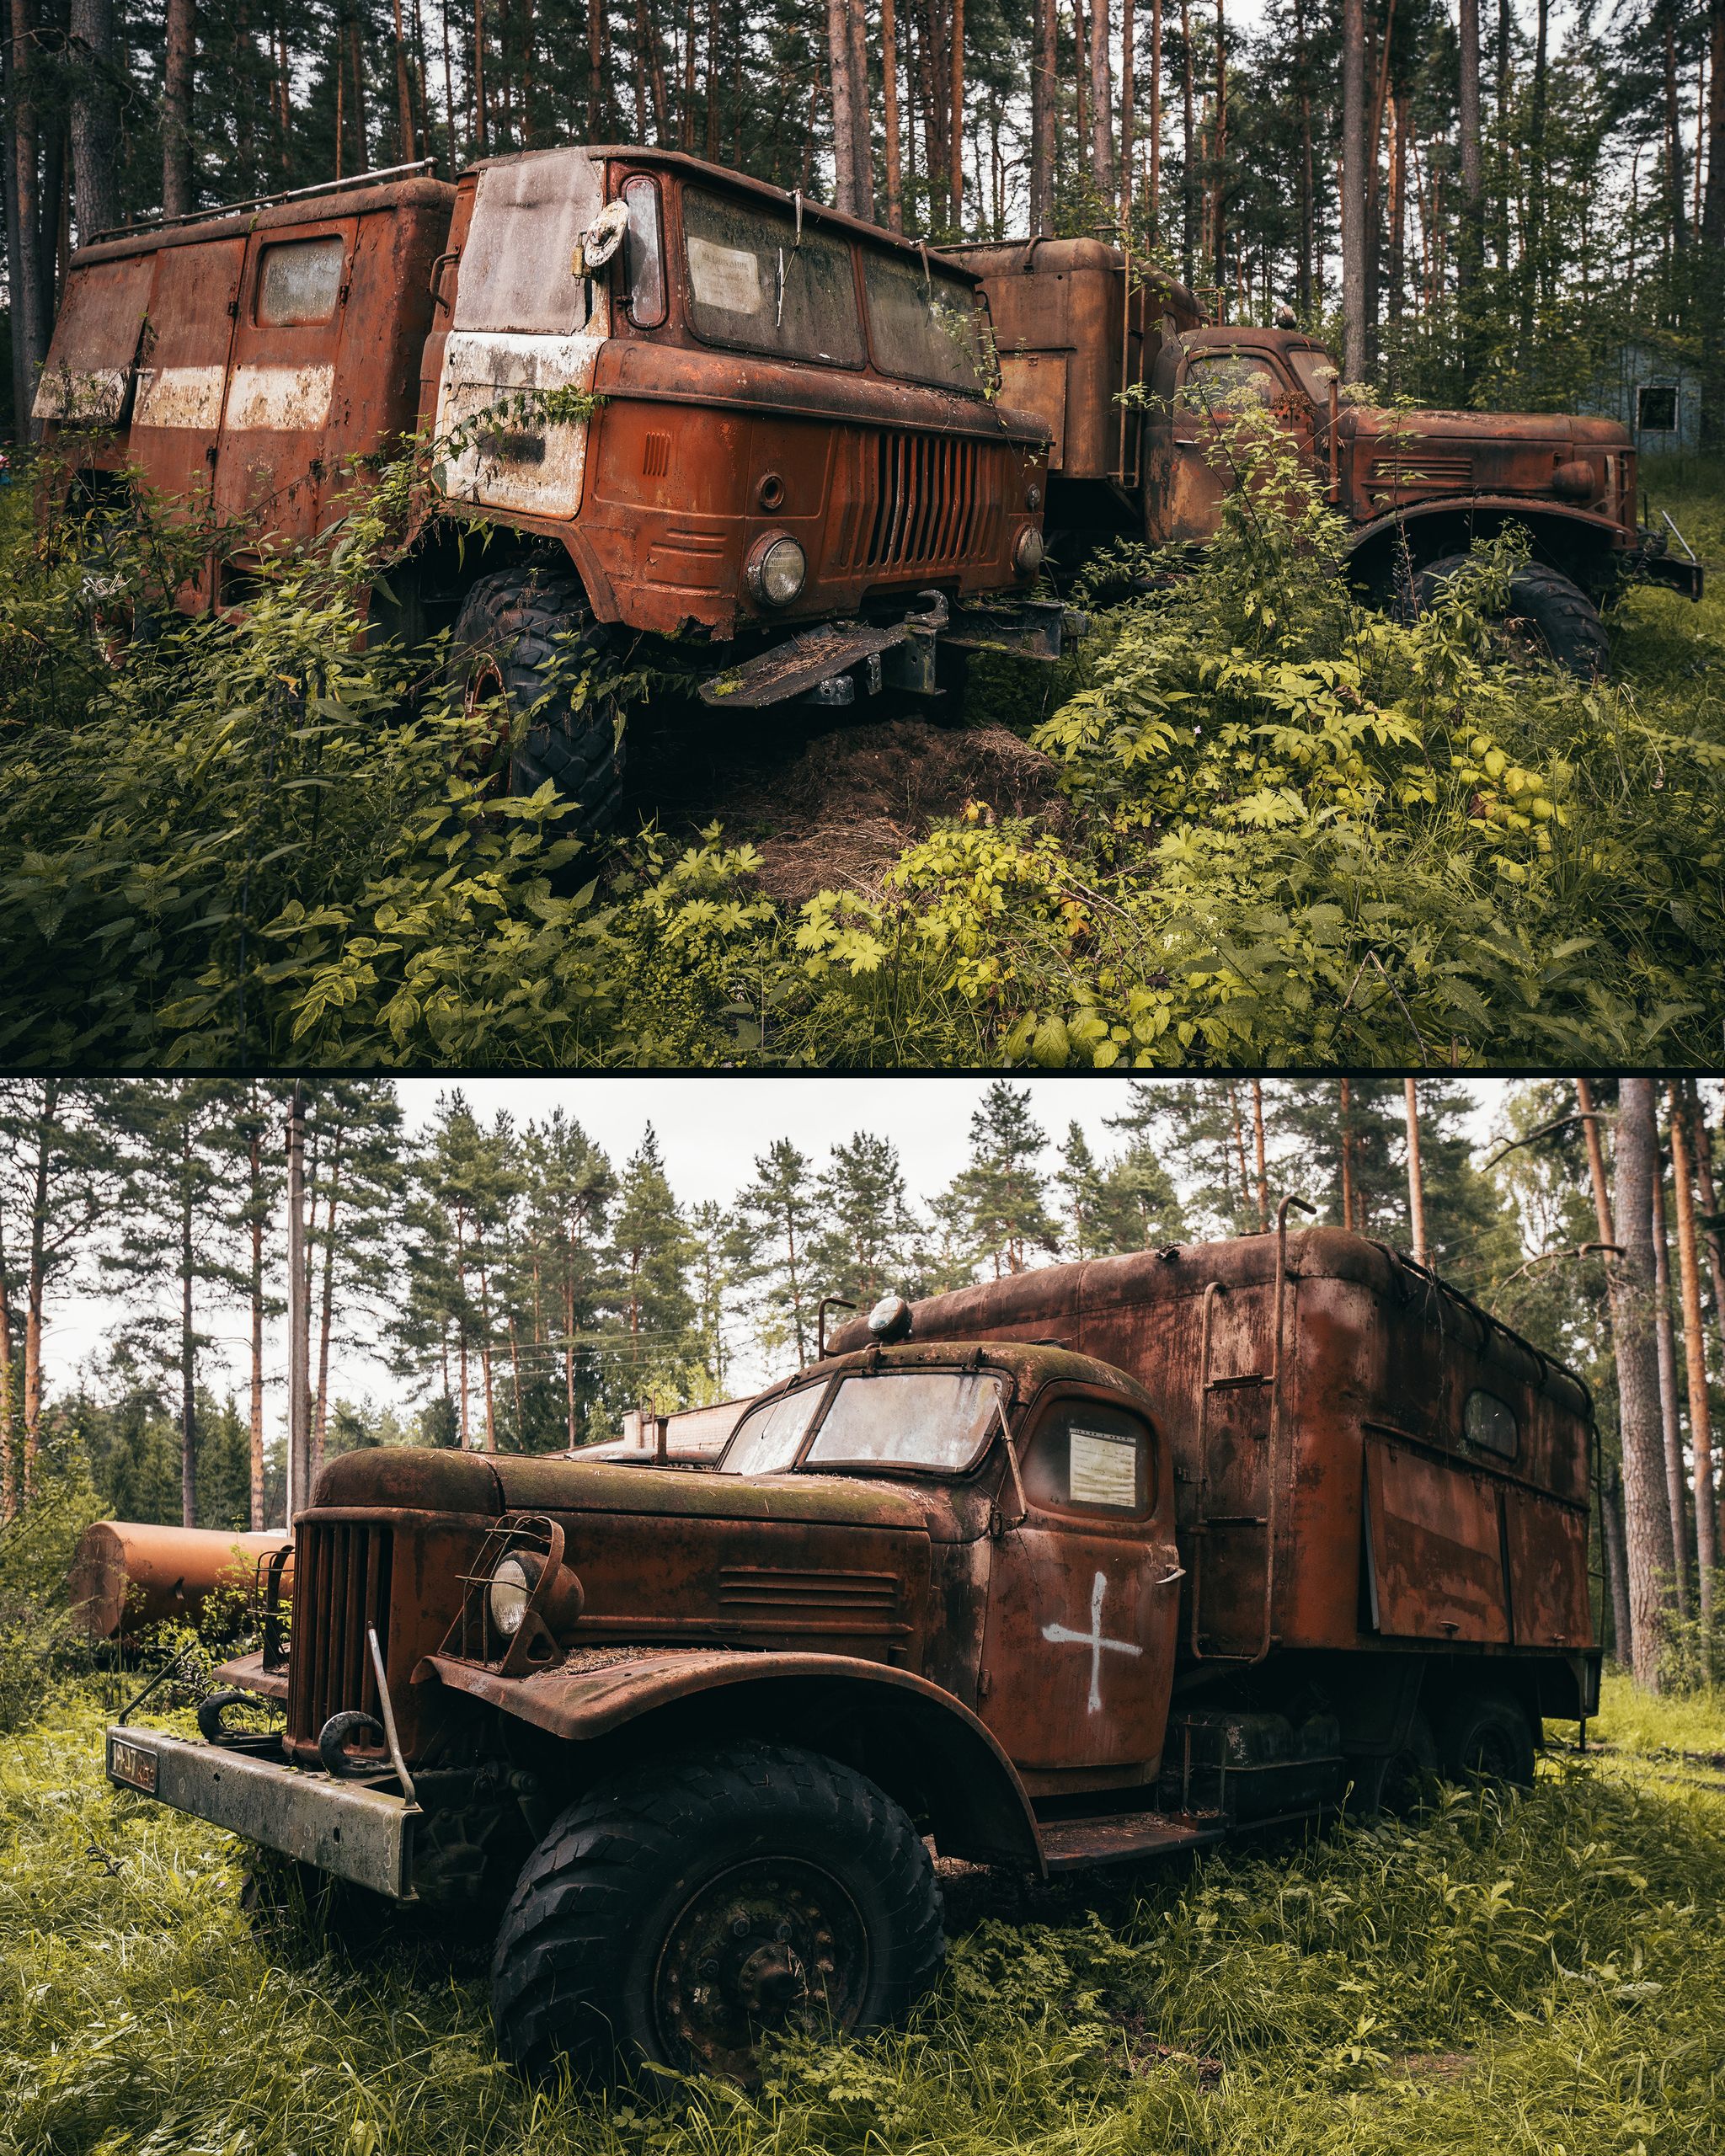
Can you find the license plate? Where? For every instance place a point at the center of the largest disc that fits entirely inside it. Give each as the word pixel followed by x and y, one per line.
pixel 133 1765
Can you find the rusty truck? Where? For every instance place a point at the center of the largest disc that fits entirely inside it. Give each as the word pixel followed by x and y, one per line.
pixel 1093 1564
pixel 1139 389
pixel 690 405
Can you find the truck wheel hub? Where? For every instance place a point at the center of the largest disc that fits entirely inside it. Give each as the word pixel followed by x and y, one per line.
pixel 773 1944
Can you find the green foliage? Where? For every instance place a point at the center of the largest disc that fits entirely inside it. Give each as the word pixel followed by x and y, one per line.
pixel 38 1629
pixel 1539 1973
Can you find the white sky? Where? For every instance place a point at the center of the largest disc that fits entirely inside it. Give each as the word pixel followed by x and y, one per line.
pixel 710 1130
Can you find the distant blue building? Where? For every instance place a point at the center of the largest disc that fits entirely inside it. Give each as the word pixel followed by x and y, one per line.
pixel 1650 390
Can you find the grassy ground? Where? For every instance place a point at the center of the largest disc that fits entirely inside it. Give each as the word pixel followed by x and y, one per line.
pixel 1542 1976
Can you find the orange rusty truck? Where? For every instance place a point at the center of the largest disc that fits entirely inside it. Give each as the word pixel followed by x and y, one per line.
pixel 1090 1566
pixel 691 405
pixel 1138 392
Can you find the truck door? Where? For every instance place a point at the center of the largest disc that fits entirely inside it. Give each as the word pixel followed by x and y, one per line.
pixel 1214 389
pixel 177 420
pixel 271 459
pixel 1078 1647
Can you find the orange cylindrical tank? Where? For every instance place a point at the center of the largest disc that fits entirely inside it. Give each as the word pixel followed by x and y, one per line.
pixel 141 1574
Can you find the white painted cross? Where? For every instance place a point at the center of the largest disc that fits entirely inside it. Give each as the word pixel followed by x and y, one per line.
pixel 1064 1634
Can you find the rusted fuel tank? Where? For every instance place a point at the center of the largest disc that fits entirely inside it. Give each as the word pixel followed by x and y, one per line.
pixel 128 1573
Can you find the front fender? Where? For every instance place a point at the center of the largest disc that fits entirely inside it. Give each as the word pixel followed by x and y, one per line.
pixel 1468 516
pixel 979 1805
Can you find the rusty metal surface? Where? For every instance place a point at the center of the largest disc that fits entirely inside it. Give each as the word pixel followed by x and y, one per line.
pixel 1433 1549
pixel 89 373
pixel 1070 341
pixel 797 665
pixel 136 1573
pixel 245 1673
pixel 1377 1353
pixel 1124 1838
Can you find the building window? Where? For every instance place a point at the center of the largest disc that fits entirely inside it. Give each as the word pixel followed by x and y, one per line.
pixel 1656 408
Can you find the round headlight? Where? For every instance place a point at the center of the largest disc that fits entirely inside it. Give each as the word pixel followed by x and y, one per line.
pixel 1026 555
pixel 777 569
pixel 511 1583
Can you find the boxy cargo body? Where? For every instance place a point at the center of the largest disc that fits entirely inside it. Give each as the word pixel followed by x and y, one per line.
pixel 1398 1499
pixel 245 364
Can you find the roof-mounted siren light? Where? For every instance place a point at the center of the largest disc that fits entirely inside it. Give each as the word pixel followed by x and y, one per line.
pixel 890 1320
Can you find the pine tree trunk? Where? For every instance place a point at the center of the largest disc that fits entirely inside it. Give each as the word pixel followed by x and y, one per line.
pixel 1702 1148
pixel 1694 1358
pixel 1080 78
pixel 1102 101
pixel 1712 283
pixel 188 1408
pixel 1353 197
pixel 257 1299
pixel 95 117
pixel 1346 1158
pixel 863 136
pixel 1219 161
pixel 179 58
pixel 402 90
pixel 1416 1182
pixel 45 1123
pixel 1647 1517
pixel 31 314
pixel 957 148
pixel 1156 121
pixel 1264 1187
pixel 515 1379
pixel 318 1420
pixel 1042 117
pixel 1616 1571
pixel 1187 185
pixel 485 1354
pixel 595 74
pixel 890 99
pixel 838 60
pixel 8 1487
pixel 1129 92
pixel 568 1352
pixel 1665 1342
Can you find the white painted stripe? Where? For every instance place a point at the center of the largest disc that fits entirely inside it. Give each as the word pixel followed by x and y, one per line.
pixel 482 367
pixel 280 400
pixel 179 397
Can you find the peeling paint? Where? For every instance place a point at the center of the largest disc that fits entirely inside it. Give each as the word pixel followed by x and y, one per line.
pixel 92 399
pixel 520 467
pixel 284 400
pixel 179 397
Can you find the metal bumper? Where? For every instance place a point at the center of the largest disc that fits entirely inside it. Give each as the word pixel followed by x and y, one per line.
pixel 356 1832
pixel 1686 577
pixel 827 664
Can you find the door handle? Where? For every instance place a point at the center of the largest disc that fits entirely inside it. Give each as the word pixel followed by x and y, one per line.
pixel 1178 1573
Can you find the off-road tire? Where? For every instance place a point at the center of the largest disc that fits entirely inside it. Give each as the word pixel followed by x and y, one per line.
pixel 1395 1783
pixel 505 637
pixel 1485 1734
pixel 1559 617
pixel 598 1958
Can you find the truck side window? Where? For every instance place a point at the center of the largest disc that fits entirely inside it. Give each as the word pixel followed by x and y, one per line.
pixel 1487 1422
pixel 1228 381
pixel 766 1441
pixel 645 254
pixel 299 280
pixel 1088 1457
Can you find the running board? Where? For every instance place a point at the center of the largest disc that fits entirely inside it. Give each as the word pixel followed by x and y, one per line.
pixel 1124 1838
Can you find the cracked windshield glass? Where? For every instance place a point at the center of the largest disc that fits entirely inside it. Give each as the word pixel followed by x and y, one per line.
pixel 936 1419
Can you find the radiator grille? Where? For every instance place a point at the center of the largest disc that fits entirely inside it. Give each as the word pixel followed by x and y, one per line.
pixel 1415 468
pixel 924 500
pixel 341 1585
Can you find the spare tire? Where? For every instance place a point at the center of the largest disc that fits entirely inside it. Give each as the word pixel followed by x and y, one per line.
pixel 1556 617
pixel 527 637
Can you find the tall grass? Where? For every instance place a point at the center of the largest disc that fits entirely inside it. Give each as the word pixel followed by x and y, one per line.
pixel 1539 1974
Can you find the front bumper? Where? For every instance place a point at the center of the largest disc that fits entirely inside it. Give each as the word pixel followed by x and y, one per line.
pixel 346 1829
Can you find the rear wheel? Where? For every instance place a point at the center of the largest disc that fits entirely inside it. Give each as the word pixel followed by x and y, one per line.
pixel 1396 1784
pixel 687 1912
pixel 1486 1735
pixel 526 641
pixel 1552 616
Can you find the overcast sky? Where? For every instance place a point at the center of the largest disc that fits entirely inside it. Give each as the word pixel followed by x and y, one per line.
pixel 710 1130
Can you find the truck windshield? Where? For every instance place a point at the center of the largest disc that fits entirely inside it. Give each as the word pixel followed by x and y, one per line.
pixel 751 283
pixel 1317 371
pixel 939 1421
pixel 936 1419
pixel 924 330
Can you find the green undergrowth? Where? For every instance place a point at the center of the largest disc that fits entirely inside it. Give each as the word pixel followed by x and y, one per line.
pixel 1296 832
pixel 1539 1975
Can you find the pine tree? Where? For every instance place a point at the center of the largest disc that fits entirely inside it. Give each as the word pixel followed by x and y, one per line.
pixel 865 1220
pixel 658 1354
pixel 1002 1186
pixel 783 1207
pixel 177 1251
pixel 356 1176
pixel 1080 1178
pixel 570 1186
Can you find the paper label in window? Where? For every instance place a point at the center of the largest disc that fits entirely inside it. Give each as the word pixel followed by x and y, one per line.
pixel 725 277
pixel 1103 1470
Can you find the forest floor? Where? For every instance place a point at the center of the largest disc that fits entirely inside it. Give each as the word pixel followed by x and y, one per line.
pixel 1541 1975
